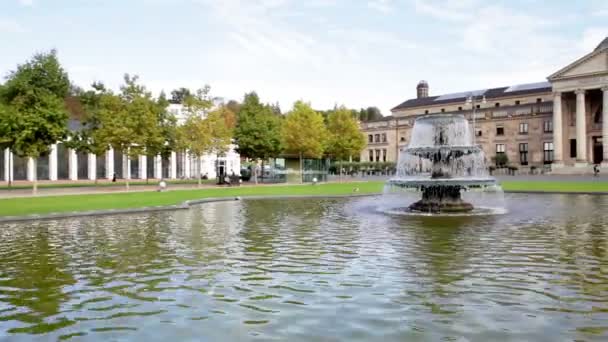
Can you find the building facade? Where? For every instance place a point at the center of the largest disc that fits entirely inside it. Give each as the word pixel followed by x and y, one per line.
pixel 63 163
pixel 561 124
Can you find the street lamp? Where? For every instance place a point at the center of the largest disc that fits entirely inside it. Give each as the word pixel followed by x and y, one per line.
pixel 473 101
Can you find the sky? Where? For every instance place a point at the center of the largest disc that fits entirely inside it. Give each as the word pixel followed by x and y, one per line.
pixel 356 53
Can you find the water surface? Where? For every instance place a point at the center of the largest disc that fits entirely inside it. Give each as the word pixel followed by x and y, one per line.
pixel 311 270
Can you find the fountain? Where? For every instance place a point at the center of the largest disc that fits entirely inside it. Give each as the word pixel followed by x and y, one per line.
pixel 440 164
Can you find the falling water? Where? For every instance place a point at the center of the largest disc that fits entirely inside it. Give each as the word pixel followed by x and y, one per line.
pixel 441 156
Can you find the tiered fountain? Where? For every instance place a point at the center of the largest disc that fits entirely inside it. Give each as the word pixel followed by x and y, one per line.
pixel 441 163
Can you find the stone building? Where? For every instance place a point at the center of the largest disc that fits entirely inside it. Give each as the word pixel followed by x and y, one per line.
pixel 561 124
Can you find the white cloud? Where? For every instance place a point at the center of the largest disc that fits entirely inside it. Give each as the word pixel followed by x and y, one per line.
pixel 383 6
pixel 26 2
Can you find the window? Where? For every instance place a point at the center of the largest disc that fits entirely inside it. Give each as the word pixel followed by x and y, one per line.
pixel 539 100
pixel 402 139
pixel 478 106
pixel 443 110
pixel 377 155
pixel 548 152
pixel 370 138
pixel 384 155
pixel 383 137
pixel 478 132
pixel 371 155
pixel 500 131
pixel 548 126
pixel 572 148
pixel 500 148
pixel 426 111
pixel 459 108
pixel 377 138
pixel 523 153
pixel 523 128
pixel 517 103
pixel 497 104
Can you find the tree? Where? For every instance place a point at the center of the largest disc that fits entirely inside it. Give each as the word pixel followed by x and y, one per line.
pixel 86 139
pixel 128 121
pixel 370 114
pixel 258 131
pixel 219 131
pixel 194 136
pixel 345 136
pixel 304 132
pixel 179 95
pixel 234 106
pixel 199 102
pixel 36 117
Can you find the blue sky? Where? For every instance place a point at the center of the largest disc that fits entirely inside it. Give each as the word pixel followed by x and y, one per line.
pixel 352 52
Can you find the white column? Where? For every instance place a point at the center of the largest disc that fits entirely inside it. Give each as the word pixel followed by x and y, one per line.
pixel 605 126
pixel 558 144
pixel 143 167
pixel 5 155
pixel 581 129
pixel 73 164
pixel 9 164
pixel 158 167
pixel 173 170
pixel 53 163
pixel 126 166
pixel 110 163
pixel 187 165
pixel 92 172
pixel 30 169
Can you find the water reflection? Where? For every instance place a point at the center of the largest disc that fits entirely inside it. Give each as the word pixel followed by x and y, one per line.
pixel 311 270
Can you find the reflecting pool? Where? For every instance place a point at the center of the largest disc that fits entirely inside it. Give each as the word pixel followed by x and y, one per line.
pixel 311 270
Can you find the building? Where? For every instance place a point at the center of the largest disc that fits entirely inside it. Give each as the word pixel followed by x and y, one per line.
pixel 561 124
pixel 65 164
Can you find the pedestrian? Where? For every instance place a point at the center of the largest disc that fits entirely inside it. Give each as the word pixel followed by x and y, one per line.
pixel 596 170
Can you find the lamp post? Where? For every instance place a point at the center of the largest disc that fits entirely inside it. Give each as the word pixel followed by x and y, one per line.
pixel 473 101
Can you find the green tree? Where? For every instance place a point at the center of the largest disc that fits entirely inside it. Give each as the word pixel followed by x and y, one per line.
pixel 36 117
pixel 86 139
pixel 258 130
pixel 128 121
pixel 194 136
pixel 219 131
pixel 304 132
pixel 164 141
pixel 345 136
pixel 179 95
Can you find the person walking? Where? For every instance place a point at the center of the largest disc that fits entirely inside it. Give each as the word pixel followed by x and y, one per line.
pixel 596 170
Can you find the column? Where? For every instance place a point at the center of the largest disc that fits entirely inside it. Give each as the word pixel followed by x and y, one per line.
pixel 5 155
pixel 173 170
pixel 9 165
pixel 126 165
pixel 30 169
pixel 581 129
pixel 558 143
pixel 605 126
pixel 158 167
pixel 53 163
pixel 92 172
pixel 110 163
pixel 187 160
pixel 143 167
pixel 73 164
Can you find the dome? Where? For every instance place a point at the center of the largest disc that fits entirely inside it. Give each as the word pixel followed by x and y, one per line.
pixel 422 83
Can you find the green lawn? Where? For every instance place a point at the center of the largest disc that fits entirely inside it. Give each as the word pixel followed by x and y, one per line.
pixel 56 204
pixel 103 183
pixel 554 186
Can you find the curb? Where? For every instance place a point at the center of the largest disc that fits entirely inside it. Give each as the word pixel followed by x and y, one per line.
pixel 182 206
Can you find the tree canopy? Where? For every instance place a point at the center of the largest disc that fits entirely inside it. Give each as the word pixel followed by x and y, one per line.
pixel 304 131
pixel 345 136
pixel 258 130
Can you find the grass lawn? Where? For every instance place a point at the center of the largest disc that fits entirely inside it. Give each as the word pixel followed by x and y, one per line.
pixel 101 184
pixel 56 204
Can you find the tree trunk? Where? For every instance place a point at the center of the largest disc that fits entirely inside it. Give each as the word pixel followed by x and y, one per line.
pixel 262 173
pixel 301 170
pixel 340 171
pixel 35 171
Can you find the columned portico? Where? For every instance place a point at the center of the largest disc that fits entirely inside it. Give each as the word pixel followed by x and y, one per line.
pixel 558 143
pixel 605 126
pixel 581 129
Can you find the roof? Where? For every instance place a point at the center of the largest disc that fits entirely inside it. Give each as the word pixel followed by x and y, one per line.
pixel 603 45
pixel 515 90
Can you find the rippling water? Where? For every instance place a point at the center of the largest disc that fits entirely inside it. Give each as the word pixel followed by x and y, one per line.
pixel 311 270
